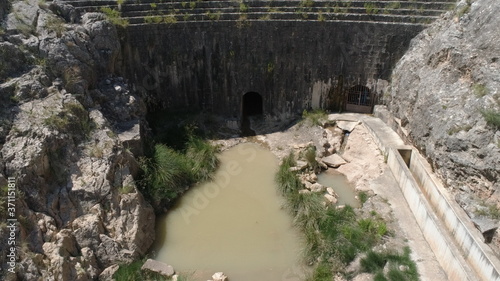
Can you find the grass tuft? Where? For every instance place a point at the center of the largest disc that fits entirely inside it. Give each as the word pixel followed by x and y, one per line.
pixel 310 156
pixel 73 119
pixel 363 196
pixel 322 272
pixel 287 180
pixel 330 235
pixel 492 117
pixel 133 272
pixel 114 16
pixel 401 267
pixel 479 90
pixel 314 117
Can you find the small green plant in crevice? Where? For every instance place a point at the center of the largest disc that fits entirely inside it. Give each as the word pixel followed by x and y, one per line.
pixel 314 117
pixel 3 202
pixel 114 16
pixel 73 119
pixel 322 272
pixel 125 189
pixel 133 272
pixel 96 151
pixel 270 67
pixel 153 19
pixel 456 129
pixel 56 25
pixel 306 3
pixel 170 19
pixel 243 7
pixel 310 156
pixel 213 16
pixel 337 9
pixel 488 210
pixel 394 5
pixel 464 9
pixel 321 17
pixel 400 266
pixel 363 197
pixel 371 8
pixel 479 90
pixel 492 117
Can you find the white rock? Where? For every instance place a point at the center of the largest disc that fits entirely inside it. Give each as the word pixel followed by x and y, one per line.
pixel 219 276
pixel 301 165
pixel 334 161
pixel 316 187
pixel 158 267
pixel 304 191
pixel 331 192
pixel 331 199
pixel 313 178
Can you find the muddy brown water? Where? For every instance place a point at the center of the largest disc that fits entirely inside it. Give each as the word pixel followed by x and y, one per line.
pixel 339 183
pixel 235 224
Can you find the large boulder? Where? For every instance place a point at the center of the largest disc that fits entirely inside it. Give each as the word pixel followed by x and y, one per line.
pixel 334 161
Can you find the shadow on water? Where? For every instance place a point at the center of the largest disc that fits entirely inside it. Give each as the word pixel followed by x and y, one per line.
pixel 246 130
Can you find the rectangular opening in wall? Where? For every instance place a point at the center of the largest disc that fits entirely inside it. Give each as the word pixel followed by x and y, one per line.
pixel 406 155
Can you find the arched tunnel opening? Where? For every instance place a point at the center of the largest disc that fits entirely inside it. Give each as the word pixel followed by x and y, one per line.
pixel 252 105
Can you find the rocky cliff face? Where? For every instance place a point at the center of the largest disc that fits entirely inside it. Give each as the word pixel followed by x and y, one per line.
pixel 443 92
pixel 70 128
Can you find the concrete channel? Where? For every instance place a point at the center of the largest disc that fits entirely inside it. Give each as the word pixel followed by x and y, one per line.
pixel 456 243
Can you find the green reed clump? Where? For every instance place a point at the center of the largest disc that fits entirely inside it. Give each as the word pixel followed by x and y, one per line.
pixel 287 180
pixel 203 159
pixel 322 272
pixel 401 267
pixel 169 172
pixel 133 272
pixel 330 235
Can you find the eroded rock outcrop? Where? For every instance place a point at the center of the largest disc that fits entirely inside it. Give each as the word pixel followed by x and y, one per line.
pixel 442 93
pixel 63 109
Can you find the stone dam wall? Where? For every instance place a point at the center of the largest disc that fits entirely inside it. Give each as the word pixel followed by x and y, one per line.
pixel 205 55
pixel 292 65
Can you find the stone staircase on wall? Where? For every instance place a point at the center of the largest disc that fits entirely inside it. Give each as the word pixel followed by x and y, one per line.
pixel 414 12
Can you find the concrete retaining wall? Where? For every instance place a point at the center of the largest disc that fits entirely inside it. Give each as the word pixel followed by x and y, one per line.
pixel 478 255
pixel 447 254
pixel 457 244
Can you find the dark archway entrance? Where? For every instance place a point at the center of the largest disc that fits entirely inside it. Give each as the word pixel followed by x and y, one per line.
pixel 251 106
pixel 359 99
